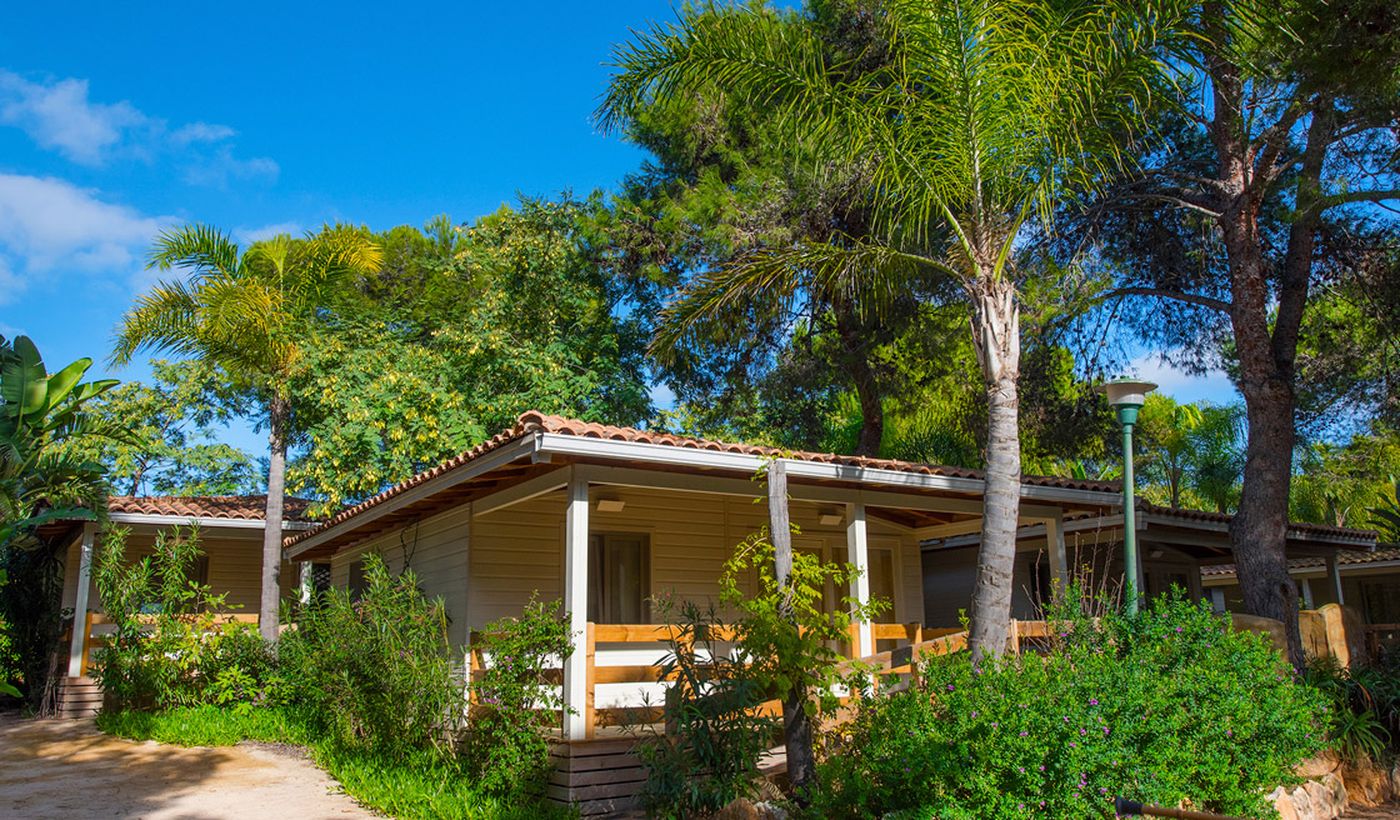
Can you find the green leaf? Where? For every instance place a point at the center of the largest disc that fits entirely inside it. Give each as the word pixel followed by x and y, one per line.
pixel 62 383
pixel 22 380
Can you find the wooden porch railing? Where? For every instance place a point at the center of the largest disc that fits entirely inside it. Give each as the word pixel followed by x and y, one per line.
pixel 632 654
pixel 1381 637
pixel 95 638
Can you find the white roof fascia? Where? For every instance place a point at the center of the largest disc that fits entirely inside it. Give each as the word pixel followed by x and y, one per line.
pixel 202 521
pixel 672 455
pixel 505 454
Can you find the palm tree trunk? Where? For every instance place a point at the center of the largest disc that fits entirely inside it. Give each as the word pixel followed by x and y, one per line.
pixel 278 416
pixel 996 330
pixel 797 724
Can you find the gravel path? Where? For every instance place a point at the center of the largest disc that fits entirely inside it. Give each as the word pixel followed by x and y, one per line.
pixel 58 768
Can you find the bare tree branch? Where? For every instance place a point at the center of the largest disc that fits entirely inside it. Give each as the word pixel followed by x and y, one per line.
pixel 1190 298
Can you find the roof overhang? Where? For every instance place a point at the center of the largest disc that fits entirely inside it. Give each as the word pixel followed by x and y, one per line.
pixel 518 467
pixel 1206 540
pixel 204 522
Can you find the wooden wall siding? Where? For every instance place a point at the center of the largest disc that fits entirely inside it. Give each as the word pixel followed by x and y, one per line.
pixel 599 777
pixel 437 550
pixel 234 568
pixel 520 549
pixel 487 567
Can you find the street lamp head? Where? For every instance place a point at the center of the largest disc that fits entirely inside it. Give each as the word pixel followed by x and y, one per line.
pixel 1126 396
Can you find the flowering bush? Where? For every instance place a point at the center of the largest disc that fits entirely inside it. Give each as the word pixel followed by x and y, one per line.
pixel 170 646
pixel 1169 706
pixel 373 673
pixel 506 750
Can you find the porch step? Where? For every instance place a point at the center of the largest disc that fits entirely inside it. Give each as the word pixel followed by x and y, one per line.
pixel 79 697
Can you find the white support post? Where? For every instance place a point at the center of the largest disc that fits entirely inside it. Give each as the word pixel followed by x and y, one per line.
pixel 80 604
pixel 1059 556
pixel 576 603
pixel 1335 573
pixel 858 553
pixel 1307 595
pixel 1217 600
pixel 306 582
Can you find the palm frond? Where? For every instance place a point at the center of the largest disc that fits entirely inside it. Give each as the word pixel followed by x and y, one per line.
pixel 201 249
pixel 165 318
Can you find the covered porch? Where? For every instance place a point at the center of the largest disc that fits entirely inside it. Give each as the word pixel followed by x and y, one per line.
pixel 612 520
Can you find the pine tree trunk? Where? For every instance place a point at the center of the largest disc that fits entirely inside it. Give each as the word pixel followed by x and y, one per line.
pixel 997 339
pixel 872 411
pixel 1258 532
pixel 1266 320
pixel 278 417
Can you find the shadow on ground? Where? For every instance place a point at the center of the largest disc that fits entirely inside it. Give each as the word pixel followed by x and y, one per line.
pixel 54 768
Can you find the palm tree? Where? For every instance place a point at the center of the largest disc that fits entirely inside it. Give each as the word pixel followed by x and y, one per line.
pixel 1166 429
pixel 247 313
pixel 980 119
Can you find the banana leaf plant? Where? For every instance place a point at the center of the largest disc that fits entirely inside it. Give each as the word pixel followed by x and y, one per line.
pixel 40 481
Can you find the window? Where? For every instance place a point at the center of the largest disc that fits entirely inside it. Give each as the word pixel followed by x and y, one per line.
pixel 198 571
pixel 619 575
pixel 356 585
pixel 321 578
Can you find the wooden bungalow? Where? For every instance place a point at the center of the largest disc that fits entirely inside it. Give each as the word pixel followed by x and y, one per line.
pixel 231 533
pixel 1188 549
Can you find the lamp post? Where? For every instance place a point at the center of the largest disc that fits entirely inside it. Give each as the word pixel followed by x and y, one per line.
pixel 1127 397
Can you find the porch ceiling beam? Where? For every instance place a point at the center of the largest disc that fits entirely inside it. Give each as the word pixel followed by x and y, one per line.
pixel 479 466
pixel 937 531
pixel 879 498
pixel 662 480
pixel 522 492
pixel 689 482
pixel 1029 513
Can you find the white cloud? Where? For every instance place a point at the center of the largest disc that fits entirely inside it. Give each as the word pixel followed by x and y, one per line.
pixel 51 229
pixel 59 116
pixel 1213 386
pixel 247 236
pixel 201 132
pixel 218 169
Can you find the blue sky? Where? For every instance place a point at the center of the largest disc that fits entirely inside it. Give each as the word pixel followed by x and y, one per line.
pixel 119 119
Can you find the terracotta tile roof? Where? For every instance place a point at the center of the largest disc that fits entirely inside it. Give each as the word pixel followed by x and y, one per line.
pixel 1344 557
pixel 243 507
pixel 534 421
pixel 1225 518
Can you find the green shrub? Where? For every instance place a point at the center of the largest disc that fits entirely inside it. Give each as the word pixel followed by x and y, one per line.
pixel 506 751
pixel 785 650
pixel 1169 706
pixel 170 646
pixel 708 755
pixel 373 673
pixel 1364 707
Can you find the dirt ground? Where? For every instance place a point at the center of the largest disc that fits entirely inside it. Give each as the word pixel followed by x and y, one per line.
pixel 51 769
